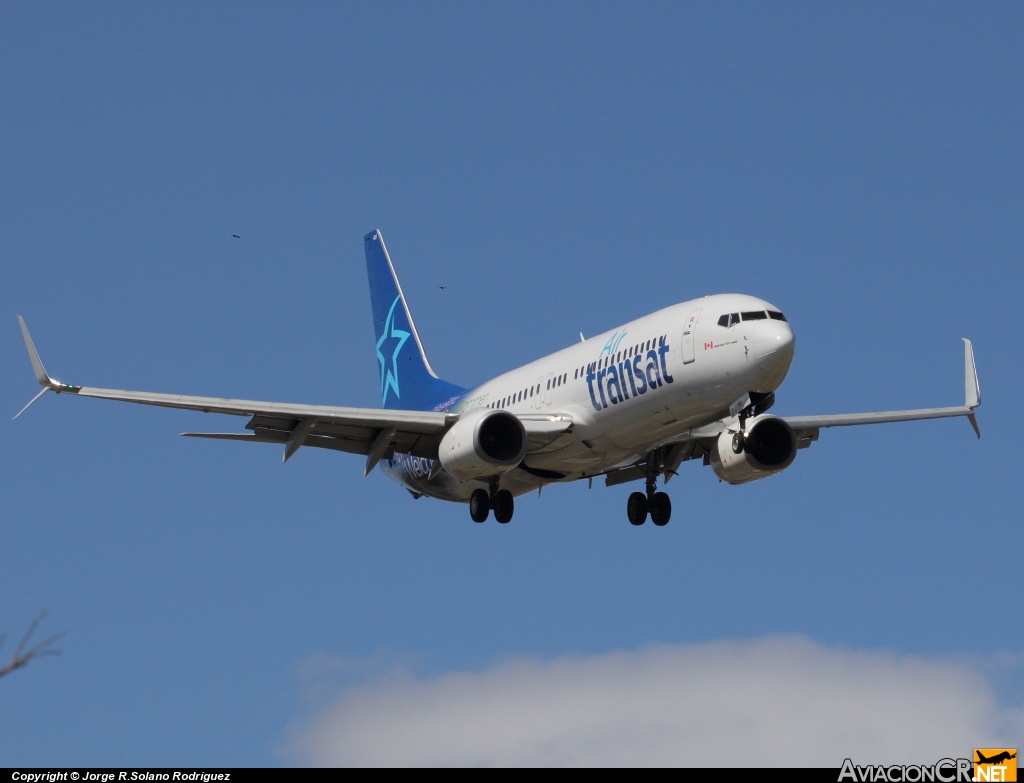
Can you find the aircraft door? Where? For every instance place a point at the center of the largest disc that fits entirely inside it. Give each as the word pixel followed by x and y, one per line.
pixel 546 391
pixel 689 336
pixel 538 397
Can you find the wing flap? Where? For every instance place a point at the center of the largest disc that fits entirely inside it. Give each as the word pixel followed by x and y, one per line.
pixel 404 443
pixel 281 438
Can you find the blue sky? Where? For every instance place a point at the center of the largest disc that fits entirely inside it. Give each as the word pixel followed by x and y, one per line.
pixel 558 168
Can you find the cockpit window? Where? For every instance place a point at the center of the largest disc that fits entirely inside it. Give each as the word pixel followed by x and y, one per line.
pixel 730 319
pixel 754 315
pixel 775 315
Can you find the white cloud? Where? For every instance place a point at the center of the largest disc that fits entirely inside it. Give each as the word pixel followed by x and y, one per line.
pixel 774 701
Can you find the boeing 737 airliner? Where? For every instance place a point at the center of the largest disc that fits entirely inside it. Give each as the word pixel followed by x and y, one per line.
pixel 692 381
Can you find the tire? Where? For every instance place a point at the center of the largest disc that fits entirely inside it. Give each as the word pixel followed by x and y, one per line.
pixel 504 506
pixel 479 505
pixel 737 443
pixel 636 508
pixel 661 509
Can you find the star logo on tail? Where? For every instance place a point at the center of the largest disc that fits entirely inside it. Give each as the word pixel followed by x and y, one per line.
pixel 388 357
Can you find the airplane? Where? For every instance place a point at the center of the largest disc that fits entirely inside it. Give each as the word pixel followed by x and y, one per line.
pixel 693 381
pixel 999 758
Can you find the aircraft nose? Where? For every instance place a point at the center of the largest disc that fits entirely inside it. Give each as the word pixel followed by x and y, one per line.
pixel 773 355
pixel 776 344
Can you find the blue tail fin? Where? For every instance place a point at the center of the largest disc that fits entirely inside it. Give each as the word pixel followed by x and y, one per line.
pixel 406 380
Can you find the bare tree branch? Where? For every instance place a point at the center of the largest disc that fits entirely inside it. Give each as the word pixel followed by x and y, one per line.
pixel 22 655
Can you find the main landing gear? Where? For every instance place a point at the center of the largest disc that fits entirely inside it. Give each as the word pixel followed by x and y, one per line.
pixel 657 504
pixel 498 500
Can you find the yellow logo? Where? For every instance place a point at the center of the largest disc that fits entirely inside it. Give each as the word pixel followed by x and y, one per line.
pixel 995 764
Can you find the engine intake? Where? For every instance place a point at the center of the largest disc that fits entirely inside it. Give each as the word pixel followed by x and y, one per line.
pixel 483 443
pixel 769 448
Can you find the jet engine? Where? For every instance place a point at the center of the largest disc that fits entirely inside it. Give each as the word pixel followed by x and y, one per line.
pixel 768 448
pixel 483 443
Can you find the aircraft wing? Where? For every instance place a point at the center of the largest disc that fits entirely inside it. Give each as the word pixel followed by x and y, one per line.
pixel 375 433
pixel 697 444
pixel 809 425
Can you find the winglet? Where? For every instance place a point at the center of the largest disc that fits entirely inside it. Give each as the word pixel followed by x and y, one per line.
pixel 33 355
pixel 45 380
pixel 972 389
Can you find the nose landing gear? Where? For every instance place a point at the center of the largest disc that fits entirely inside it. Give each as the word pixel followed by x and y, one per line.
pixel 658 504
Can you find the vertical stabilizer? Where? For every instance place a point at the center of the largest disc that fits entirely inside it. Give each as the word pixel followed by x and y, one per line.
pixel 407 381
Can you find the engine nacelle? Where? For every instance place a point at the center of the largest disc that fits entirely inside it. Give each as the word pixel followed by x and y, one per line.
pixel 769 448
pixel 483 443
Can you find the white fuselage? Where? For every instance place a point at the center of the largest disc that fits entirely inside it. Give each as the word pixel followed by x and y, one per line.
pixel 627 391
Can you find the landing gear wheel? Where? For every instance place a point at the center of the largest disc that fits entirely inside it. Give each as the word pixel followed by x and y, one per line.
pixel 479 505
pixel 503 506
pixel 636 508
pixel 737 443
pixel 661 509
